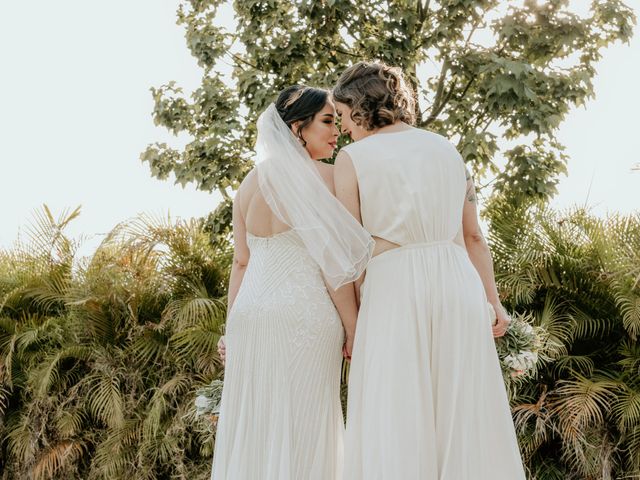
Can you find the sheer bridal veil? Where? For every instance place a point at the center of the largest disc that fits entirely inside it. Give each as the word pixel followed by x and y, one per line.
pixel 299 197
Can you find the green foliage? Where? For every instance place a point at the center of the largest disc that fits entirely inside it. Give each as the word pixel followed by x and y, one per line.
pixel 100 357
pixel 98 374
pixel 514 75
pixel 579 416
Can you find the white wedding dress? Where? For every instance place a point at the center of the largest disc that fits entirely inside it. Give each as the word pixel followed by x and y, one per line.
pixel 281 417
pixel 426 395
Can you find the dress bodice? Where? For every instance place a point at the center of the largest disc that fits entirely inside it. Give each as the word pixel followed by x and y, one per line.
pixel 280 277
pixel 411 184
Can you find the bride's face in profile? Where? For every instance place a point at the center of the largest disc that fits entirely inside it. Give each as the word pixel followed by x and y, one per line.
pixel 321 134
pixel 348 126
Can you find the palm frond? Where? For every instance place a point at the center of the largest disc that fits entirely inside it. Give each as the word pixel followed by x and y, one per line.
pixel 57 457
pixel 5 393
pixel 629 304
pixel 568 364
pixel 558 325
pixel 20 438
pixel 588 326
pixel 46 235
pixel 582 403
pixel 199 342
pixel 533 424
pixel 48 374
pixel 188 311
pixel 148 347
pixel 592 455
pixel 629 352
pixel 69 422
pixel 626 408
pixel 105 398
pixel 115 455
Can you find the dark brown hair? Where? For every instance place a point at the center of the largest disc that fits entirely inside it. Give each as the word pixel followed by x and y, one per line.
pixel 300 103
pixel 377 94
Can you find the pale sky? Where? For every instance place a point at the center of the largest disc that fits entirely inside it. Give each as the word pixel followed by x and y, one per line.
pixel 76 114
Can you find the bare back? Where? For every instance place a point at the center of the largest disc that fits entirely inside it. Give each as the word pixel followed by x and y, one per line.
pixel 258 217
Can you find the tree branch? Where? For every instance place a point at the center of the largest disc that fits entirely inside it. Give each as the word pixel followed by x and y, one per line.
pixel 338 49
pixel 466 88
pixel 224 193
pixel 239 59
pixel 468 126
pixel 473 30
pixel 423 11
pixel 413 80
pixel 435 110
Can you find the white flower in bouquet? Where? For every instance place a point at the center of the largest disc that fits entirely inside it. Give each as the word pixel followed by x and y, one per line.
pixel 517 362
pixel 518 348
pixel 510 361
pixel 529 358
pixel 207 401
pixel 202 405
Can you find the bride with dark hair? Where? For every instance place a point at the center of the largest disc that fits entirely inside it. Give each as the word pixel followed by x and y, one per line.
pixel 292 307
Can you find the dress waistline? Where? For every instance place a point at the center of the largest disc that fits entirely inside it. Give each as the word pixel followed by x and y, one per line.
pixel 415 246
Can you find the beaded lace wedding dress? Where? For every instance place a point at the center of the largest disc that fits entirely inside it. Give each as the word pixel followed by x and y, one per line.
pixel 281 417
pixel 280 413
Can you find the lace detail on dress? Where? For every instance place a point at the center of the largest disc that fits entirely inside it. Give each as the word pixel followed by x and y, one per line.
pixel 280 415
pixel 281 275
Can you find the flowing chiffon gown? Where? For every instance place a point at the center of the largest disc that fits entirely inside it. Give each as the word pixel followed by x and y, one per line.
pixel 426 395
pixel 280 416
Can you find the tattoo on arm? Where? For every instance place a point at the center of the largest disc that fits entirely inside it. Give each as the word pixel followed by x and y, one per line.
pixel 471 189
pixel 471 194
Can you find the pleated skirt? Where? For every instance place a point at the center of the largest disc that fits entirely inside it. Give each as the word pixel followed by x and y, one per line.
pixel 281 417
pixel 426 395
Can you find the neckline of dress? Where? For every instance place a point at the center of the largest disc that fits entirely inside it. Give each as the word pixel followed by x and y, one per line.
pixel 384 134
pixel 410 129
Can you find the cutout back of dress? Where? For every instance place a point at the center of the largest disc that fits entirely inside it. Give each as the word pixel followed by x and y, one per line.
pixel 260 221
pixel 412 186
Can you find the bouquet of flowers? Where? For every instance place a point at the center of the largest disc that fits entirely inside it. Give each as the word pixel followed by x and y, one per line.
pixel 208 400
pixel 519 348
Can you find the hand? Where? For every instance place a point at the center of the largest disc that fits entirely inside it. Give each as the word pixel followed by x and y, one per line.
pixel 503 321
pixel 222 349
pixel 347 348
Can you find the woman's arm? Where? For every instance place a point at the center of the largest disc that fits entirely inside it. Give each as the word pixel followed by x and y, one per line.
pixel 239 265
pixel 347 298
pixel 240 252
pixel 346 185
pixel 480 256
pixel 344 299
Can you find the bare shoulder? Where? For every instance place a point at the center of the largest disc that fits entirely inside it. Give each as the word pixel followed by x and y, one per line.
pixel 326 172
pixel 343 161
pixel 246 190
pixel 344 170
pixel 249 183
